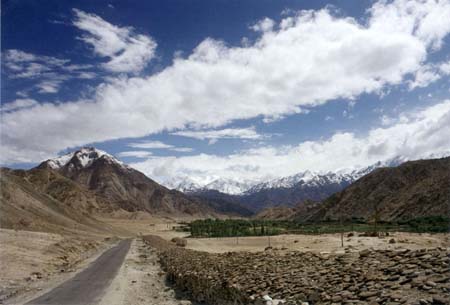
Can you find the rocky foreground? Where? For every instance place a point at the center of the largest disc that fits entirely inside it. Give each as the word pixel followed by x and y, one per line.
pixel 279 277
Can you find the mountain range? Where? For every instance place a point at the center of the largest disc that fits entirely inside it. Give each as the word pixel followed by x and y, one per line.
pixel 286 191
pixel 69 192
pixel 88 182
pixel 411 190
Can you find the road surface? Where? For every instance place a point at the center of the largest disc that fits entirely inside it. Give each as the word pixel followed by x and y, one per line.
pixel 88 286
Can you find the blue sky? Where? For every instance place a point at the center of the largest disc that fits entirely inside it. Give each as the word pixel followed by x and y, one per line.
pixel 241 90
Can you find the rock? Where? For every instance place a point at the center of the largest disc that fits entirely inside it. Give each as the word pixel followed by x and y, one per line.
pixel 440 300
pixel 367 294
pixel 364 253
pixel 392 241
pixel 376 276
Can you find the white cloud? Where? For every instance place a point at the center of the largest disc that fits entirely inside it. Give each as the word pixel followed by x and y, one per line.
pixel 227 133
pixel 158 145
pixel 18 104
pixel 386 120
pixel 264 25
pixel 49 86
pixel 310 59
pixel 126 51
pixel 428 20
pixel 135 154
pixel 412 135
pixel 182 149
pixel 445 68
pixel 150 145
pixel 429 73
pixel 49 72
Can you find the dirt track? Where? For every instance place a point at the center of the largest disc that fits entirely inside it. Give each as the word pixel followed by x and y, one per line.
pixel 88 286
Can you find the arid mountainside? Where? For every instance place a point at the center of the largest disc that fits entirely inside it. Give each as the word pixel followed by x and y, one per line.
pixel 413 189
pixel 43 200
pixel 128 189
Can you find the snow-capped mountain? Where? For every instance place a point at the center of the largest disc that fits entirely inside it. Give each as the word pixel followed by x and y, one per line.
pixel 227 186
pixel 307 178
pixel 289 191
pixel 82 158
pixel 126 188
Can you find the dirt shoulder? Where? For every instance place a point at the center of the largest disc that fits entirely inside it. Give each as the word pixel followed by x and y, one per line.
pixel 140 280
pixel 35 262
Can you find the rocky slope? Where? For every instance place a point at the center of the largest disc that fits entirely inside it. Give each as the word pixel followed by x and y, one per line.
pixel 413 189
pixel 129 189
pixel 42 200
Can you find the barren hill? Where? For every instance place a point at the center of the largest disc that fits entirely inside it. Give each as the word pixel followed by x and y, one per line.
pixel 123 186
pixel 413 189
pixel 41 200
pixel 129 189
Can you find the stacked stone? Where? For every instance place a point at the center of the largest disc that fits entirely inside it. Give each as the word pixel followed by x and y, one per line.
pixel 367 277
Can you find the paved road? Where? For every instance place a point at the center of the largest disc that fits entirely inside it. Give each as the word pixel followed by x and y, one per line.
pixel 88 286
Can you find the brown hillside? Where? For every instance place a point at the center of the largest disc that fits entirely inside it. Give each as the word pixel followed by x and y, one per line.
pixel 126 188
pixel 25 205
pixel 413 189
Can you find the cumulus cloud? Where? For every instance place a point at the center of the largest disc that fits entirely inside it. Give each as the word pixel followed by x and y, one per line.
pixel 18 104
pixel 429 73
pixel 311 58
pixel 227 133
pixel 126 51
pixel 413 135
pixel 264 25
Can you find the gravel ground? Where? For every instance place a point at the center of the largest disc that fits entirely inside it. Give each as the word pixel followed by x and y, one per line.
pixel 140 281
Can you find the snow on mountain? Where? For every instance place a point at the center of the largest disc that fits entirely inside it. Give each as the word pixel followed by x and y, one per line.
pixel 228 186
pixel 307 178
pixel 83 157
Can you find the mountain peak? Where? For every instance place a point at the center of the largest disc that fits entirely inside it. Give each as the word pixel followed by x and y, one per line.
pixel 82 158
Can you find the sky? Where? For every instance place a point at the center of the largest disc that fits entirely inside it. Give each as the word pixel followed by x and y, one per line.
pixel 239 90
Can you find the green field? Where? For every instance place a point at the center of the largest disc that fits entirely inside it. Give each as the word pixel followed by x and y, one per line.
pixel 242 227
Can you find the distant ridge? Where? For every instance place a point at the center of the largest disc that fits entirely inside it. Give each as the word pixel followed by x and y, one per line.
pixel 413 189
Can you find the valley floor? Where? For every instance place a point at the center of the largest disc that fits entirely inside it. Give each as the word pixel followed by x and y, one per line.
pixel 34 262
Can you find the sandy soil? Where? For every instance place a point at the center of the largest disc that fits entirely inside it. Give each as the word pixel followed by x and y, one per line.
pixel 150 226
pixel 34 262
pixel 318 243
pixel 140 281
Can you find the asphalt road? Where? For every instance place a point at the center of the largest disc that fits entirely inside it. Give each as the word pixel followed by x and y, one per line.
pixel 88 286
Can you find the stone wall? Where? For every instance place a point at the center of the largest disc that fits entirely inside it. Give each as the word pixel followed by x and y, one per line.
pixel 368 277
